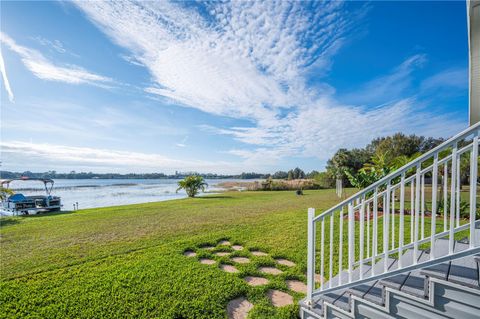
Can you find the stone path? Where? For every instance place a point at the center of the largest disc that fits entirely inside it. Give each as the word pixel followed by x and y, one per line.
pixel 279 298
pixel 256 281
pixel 297 286
pixel 222 254
pixel 229 268
pixel 259 253
pixel 241 260
pixel 286 262
pixel 270 270
pixel 238 308
pixel 190 253
pixel 207 261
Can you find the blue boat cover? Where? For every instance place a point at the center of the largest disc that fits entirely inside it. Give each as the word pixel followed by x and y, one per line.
pixel 16 198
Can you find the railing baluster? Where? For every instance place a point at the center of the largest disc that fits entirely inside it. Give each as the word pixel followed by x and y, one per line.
pixel 459 183
pixel 412 208
pixel 434 205
pixel 417 210
pixel 473 188
pixel 340 256
pixel 351 238
pixel 368 230
pixel 386 216
pixel 375 230
pixel 322 254
pixel 393 219
pixel 452 199
pixel 311 255
pixel 445 195
pixel 422 231
pixel 330 264
pixel 402 208
pixel 362 219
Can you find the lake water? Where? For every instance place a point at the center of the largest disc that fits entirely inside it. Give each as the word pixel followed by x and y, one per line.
pixel 90 193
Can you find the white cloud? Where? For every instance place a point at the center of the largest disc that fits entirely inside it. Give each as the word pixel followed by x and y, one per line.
pixel 44 69
pixel 56 45
pixel 240 59
pixel 50 156
pixel 253 60
pixel 5 78
pixel 451 78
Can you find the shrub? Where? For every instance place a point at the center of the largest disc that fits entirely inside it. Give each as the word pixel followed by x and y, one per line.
pixel 192 185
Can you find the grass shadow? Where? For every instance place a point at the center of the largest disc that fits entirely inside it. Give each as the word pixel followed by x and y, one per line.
pixel 47 214
pixel 6 221
pixel 213 197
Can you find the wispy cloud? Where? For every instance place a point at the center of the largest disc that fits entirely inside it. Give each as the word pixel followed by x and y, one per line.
pixel 56 45
pixel 456 78
pixel 240 59
pixel 389 87
pixel 25 154
pixel 44 69
pixel 5 78
pixel 253 61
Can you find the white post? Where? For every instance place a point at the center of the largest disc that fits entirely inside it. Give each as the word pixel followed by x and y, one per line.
pixel 434 205
pixel 417 211
pixel 340 253
pixel 351 238
pixel 311 255
pixel 452 199
pixel 473 188
pixel 402 208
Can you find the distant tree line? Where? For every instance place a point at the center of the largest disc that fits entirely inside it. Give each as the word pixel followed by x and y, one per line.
pixel 356 167
pixel 360 167
pixel 91 175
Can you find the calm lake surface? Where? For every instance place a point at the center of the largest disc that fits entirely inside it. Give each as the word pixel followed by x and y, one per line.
pixel 90 193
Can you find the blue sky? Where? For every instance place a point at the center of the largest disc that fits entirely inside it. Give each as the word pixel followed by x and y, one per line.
pixel 223 87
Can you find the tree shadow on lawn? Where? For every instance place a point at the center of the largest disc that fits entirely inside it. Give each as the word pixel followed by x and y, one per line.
pixel 6 221
pixel 213 197
pixel 48 214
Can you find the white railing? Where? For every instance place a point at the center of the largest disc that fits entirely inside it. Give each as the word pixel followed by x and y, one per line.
pixel 397 213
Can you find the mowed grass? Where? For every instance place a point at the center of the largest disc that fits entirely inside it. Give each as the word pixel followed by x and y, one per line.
pixel 128 261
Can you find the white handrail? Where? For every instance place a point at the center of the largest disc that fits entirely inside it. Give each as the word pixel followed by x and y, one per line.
pixel 388 199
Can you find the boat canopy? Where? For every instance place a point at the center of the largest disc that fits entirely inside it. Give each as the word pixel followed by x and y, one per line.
pixel 47 182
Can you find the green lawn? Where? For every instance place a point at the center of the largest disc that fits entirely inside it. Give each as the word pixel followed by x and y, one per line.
pixel 128 261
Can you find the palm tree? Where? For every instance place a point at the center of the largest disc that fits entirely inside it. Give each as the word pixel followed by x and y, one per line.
pixel 192 185
pixel 5 192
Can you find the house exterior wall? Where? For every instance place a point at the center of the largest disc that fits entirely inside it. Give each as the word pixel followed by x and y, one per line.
pixel 473 8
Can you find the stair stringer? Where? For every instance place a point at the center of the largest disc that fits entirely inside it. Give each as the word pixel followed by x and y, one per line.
pixel 384 311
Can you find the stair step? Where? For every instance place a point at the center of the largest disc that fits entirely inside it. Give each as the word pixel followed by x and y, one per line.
pixel 414 284
pixel 464 271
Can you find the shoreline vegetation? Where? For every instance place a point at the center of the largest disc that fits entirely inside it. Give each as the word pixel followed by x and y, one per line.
pixel 271 185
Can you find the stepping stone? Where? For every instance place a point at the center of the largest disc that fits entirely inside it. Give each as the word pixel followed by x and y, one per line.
pixel 208 247
pixel 224 243
pixel 279 298
pixel 241 260
pixel 270 270
pixel 297 286
pixel 259 253
pixel 239 308
pixel 237 247
pixel 207 261
pixel 319 279
pixel 286 262
pixel 229 268
pixel 222 253
pixel 256 281
pixel 190 253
